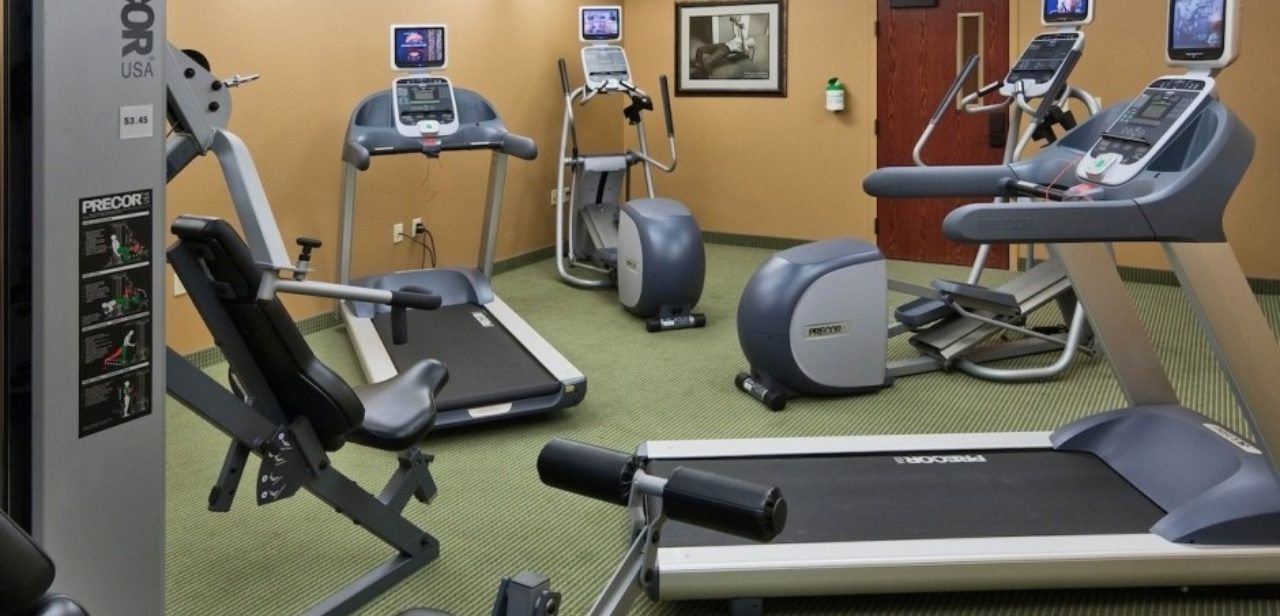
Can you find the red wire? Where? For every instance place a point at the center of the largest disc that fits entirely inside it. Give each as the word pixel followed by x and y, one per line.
pixel 1059 177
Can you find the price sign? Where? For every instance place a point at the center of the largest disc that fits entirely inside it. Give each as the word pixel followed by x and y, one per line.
pixel 137 122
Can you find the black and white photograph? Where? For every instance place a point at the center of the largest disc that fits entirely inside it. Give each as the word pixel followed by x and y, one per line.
pixel 731 48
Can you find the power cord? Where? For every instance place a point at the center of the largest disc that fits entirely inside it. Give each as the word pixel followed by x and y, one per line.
pixel 428 247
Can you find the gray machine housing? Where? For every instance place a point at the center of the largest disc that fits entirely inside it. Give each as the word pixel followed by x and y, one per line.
pixel 807 320
pixel 661 263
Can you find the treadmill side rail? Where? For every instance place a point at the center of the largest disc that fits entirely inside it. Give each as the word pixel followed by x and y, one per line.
pixel 956 565
pixel 535 344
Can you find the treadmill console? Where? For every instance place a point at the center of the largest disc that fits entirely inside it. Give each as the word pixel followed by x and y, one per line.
pixel 1149 123
pixel 1041 62
pixel 424 106
pixel 605 66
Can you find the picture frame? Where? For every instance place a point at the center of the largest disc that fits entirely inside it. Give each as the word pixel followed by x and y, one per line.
pixel 731 48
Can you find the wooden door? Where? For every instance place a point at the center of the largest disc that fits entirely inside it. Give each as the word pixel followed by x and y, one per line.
pixel 921 49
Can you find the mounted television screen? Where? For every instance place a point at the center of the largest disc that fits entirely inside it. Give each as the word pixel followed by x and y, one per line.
pixel 600 24
pixel 417 48
pixel 1067 12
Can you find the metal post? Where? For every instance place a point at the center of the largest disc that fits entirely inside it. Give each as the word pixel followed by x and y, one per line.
pixel 493 212
pixel 346 226
pixel 1238 331
pixel 1116 324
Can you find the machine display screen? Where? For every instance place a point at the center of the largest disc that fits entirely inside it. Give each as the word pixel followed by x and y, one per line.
pixel 601 23
pixel 1155 110
pixel 1065 11
pixel 418 47
pixel 609 63
pixel 1198 26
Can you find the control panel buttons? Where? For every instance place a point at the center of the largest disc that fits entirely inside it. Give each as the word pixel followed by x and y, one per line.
pixel 1100 165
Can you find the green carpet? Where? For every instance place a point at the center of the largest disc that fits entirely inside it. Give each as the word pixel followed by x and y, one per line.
pixel 493 517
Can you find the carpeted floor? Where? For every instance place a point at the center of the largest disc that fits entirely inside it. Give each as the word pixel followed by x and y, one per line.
pixel 493 517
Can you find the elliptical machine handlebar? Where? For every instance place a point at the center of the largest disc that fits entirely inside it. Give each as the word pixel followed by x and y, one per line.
pixel 666 106
pixel 917 154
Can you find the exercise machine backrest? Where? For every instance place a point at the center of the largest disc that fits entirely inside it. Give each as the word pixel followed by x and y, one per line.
pixel 302 385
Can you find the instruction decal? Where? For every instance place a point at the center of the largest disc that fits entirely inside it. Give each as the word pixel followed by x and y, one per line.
pixel 115 309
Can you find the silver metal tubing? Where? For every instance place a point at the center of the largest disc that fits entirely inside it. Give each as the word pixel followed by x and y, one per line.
pixel 564 221
pixel 917 154
pixel 1090 102
pixel 347 224
pixel 493 212
pixel 647 484
pixel 1028 332
pixel 649 163
pixel 250 200
pixel 1079 325
pixel 273 286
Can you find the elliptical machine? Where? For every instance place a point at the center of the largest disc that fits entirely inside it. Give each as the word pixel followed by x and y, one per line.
pixel 809 321
pixel 649 249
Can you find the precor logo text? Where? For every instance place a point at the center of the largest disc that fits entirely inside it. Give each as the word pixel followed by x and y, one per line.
pixel 138 20
pixel 975 459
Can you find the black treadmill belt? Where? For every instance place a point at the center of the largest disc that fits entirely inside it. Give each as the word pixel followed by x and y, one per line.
pixel 486 364
pixel 933 496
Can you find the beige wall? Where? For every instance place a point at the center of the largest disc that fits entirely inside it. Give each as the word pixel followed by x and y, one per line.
pixel 318 60
pixel 1125 51
pixel 782 167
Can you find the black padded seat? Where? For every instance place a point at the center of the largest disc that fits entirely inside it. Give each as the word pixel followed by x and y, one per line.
pixel 391 416
pixel 26 573
pixel 400 411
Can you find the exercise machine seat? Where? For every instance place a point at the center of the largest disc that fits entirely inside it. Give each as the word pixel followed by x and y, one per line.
pixel 26 573
pixel 400 412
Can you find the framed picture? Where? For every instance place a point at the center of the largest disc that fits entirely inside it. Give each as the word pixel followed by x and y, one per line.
pixel 730 48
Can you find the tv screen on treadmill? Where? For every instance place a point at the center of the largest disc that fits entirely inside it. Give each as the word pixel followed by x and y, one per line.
pixel 416 47
pixel 601 24
pixel 1198 25
pixel 1065 11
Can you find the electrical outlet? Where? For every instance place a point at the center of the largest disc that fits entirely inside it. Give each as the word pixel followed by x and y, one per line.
pixel 178 288
pixel 417 226
pixel 397 233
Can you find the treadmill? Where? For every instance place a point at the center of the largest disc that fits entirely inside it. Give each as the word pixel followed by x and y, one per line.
pixel 499 367
pixel 1150 495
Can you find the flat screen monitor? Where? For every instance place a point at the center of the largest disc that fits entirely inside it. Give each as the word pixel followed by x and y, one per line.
pixel 1067 12
pixel 419 47
pixel 1199 31
pixel 600 24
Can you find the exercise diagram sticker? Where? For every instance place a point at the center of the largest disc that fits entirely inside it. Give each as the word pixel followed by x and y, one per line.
pixel 115 290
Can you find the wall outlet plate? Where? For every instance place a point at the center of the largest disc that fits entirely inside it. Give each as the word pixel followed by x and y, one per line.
pixel 397 233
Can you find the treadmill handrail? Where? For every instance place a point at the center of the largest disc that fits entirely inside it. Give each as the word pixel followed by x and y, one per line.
pixel 360 151
pixel 951 181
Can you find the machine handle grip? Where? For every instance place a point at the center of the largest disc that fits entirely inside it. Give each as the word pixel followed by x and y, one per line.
pixel 740 508
pixel 399 325
pixel 520 146
pixel 416 298
pixel 954 90
pixel 408 297
pixel 564 77
pixel 587 470
pixel 666 105
pixel 925 182
pixel 356 154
